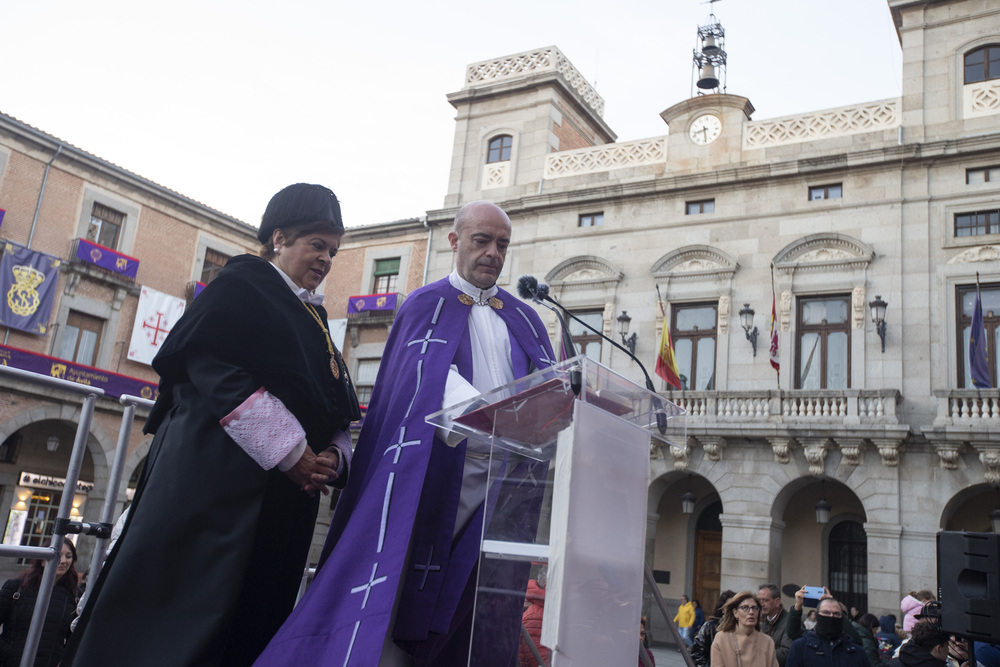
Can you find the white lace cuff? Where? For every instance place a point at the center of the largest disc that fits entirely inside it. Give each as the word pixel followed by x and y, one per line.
pixel 264 428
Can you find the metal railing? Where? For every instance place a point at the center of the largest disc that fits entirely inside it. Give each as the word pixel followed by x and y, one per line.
pixel 63 525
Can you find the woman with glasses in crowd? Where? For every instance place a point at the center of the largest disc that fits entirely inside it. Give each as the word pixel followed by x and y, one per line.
pixel 739 641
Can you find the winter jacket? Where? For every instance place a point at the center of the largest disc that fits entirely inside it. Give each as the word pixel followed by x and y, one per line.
pixel 911 655
pixel 532 620
pixel 814 651
pixel 869 644
pixel 685 615
pixel 910 606
pixel 701 649
pixel 887 639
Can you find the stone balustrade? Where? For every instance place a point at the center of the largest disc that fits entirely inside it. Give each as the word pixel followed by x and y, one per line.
pixel 606 157
pixel 548 59
pixel 848 406
pixel 826 124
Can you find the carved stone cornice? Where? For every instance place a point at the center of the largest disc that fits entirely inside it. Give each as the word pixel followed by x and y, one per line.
pixel 824 251
pixel 989 456
pixel 816 450
pixel 948 452
pixel 889 449
pixel 585 270
pixel 782 448
pixel 713 447
pixel 682 455
pixel 694 261
pixel 983 253
pixel 852 449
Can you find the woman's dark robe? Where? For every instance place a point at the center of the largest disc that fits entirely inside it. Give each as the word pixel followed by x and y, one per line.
pixel 213 550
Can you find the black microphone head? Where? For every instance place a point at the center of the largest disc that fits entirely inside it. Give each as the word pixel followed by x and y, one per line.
pixel 542 292
pixel 527 287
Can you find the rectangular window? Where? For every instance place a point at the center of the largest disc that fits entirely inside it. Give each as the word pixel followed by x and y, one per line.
pixel 977 223
pixel 832 191
pixel 982 175
pixel 364 380
pixel 43 507
pixel 585 340
pixel 214 262
pixel 703 206
pixel 966 301
pixel 105 225
pixel 81 337
pixel 591 220
pixel 386 275
pixel 693 331
pixel 823 343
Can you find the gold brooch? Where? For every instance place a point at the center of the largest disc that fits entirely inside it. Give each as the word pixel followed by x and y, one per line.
pixel 466 299
pixel 496 303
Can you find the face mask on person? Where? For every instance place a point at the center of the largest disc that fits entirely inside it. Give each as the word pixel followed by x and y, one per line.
pixel 829 627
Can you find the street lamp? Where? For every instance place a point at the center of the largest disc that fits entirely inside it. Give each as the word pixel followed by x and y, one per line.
pixel 746 319
pixel 878 307
pixel 628 341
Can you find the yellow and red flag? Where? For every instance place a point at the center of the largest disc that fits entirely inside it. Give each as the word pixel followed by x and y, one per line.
pixel 666 364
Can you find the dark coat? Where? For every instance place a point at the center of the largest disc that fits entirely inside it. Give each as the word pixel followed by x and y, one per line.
pixel 779 633
pixel 213 550
pixel 814 651
pixel 701 648
pixel 911 655
pixel 15 616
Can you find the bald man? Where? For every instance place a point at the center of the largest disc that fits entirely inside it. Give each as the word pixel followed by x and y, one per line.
pixel 397 584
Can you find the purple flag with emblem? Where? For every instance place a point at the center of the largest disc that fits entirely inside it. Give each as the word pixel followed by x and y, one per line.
pixel 29 280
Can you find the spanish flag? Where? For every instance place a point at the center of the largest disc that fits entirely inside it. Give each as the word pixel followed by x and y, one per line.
pixel 666 364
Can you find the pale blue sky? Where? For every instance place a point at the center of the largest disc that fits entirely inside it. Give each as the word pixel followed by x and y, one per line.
pixel 227 102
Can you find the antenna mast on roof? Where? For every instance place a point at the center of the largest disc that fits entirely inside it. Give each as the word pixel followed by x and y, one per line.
pixel 709 66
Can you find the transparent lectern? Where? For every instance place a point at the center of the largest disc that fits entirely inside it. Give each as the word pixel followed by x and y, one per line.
pixel 566 452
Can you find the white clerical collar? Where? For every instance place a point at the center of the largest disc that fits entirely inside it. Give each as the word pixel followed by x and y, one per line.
pixel 482 296
pixel 304 295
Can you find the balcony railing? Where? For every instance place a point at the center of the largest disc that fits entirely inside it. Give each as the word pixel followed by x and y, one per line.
pixel 858 406
pixel 373 308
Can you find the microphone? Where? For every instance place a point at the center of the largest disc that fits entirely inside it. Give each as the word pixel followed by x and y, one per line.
pixel 528 287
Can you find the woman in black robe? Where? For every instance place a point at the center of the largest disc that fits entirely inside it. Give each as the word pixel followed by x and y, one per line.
pixel 251 422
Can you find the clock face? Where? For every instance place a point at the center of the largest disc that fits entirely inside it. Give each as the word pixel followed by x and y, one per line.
pixel 705 129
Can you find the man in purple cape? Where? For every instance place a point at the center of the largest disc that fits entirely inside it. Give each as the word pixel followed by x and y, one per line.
pixel 397 578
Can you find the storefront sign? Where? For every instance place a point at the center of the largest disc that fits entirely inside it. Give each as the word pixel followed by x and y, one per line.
pixel 35 480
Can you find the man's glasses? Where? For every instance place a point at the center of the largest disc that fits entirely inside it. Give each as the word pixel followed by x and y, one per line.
pixel 831 614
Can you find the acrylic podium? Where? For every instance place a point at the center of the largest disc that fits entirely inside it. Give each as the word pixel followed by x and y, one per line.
pixel 568 471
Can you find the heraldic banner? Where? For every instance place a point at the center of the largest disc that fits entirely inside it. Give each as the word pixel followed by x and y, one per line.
pixel 155 316
pixel 29 284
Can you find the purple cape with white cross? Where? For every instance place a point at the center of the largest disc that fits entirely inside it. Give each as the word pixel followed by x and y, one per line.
pixel 404 486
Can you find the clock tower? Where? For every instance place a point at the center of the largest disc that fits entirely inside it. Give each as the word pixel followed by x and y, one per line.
pixel 707 130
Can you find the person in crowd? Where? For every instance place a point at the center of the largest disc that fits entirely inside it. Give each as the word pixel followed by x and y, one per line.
pixel 532 621
pixel 795 625
pixel 684 618
pixel 739 641
pixel 887 637
pixel 827 645
pixel 701 648
pixel 867 625
pixel 774 620
pixel 958 652
pixel 699 618
pixel 17 606
pixel 988 655
pixel 409 524
pixel 926 647
pixel 644 645
pixel 911 606
pixel 809 620
pixel 251 424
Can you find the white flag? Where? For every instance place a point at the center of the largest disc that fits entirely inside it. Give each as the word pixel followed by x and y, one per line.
pixel 155 316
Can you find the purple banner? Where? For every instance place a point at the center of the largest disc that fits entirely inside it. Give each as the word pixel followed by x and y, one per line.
pixel 113 384
pixel 198 287
pixel 28 281
pixel 361 304
pixel 2 214
pixel 106 258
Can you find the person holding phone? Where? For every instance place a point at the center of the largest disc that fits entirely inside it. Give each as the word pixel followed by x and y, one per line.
pixel 807 597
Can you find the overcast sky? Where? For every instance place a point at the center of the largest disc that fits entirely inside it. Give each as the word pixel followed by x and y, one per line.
pixel 226 102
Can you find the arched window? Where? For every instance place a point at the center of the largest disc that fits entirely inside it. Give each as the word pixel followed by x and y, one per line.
pixel 499 149
pixel 982 64
pixel 849 564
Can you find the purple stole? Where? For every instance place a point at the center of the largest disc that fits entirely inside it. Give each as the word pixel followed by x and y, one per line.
pixel 384 511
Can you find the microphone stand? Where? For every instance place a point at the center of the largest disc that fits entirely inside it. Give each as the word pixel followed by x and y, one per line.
pixel 661 419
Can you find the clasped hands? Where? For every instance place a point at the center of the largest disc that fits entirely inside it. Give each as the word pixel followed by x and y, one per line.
pixel 313 472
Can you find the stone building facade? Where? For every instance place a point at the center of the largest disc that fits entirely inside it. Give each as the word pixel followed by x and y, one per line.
pixel 821 214
pixel 55 198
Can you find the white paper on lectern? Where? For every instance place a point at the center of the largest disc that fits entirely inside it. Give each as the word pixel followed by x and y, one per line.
pixel 593 599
